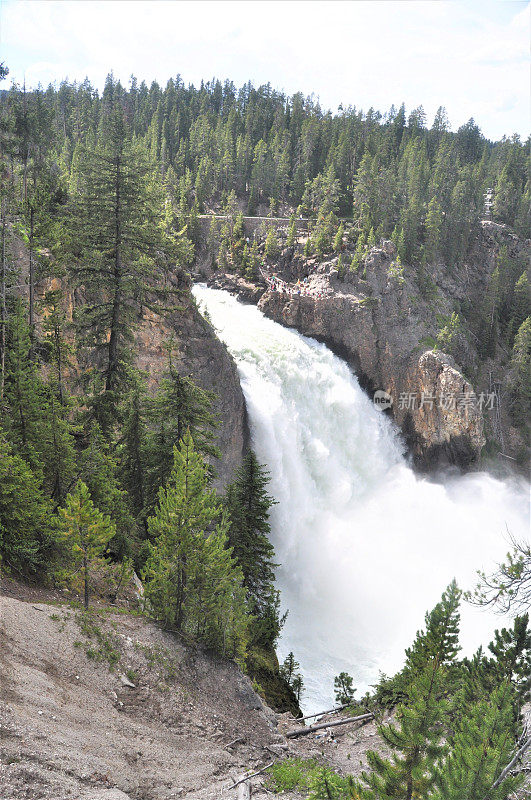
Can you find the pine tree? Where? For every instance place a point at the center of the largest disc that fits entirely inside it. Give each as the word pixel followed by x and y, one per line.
pixel 252 272
pixel 58 452
pixel 192 581
pixel 441 634
pixel 26 521
pixel 24 390
pixel 326 784
pixel 85 530
pixel 180 406
pixel 98 468
pixel 132 451
pixel 54 326
pixel 417 739
pixel 39 424
pixel 434 223
pixel 343 688
pixel 289 668
pixel 519 379
pixel 272 246
pixel 123 254
pixel 292 233
pixel 511 649
pixel 481 747
pixel 249 505
pixel 338 238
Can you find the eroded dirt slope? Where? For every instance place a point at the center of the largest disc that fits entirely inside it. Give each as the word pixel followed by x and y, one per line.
pixel 71 728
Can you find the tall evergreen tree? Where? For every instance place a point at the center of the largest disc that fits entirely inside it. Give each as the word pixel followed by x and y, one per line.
pixel 248 505
pixel 123 252
pixel 26 521
pixel 191 579
pixel 416 740
pixel 180 406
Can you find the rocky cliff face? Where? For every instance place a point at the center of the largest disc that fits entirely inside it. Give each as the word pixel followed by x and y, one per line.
pixel 385 323
pixel 385 359
pixel 200 355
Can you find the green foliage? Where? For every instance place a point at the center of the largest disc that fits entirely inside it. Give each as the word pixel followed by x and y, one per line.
pixel 416 740
pixel 480 748
pixel 520 384
pixel 192 582
pixel 100 645
pixel 26 521
pixel 344 691
pixel 98 469
pixel 450 335
pixel 307 775
pixel 38 422
pixel 338 238
pixel 272 246
pixel 396 271
pixel 133 445
pixel 179 407
pixel 122 251
pixel 289 671
pixel 253 263
pixel 508 588
pixel 248 505
pixel 511 649
pixel 292 234
pixel 85 531
pixel 434 226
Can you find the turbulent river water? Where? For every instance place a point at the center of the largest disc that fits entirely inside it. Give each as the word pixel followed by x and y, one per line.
pixel 365 546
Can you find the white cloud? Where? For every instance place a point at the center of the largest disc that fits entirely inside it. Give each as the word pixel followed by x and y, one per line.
pixel 469 56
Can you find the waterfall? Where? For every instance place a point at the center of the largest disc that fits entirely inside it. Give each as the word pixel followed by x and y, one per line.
pixel 365 546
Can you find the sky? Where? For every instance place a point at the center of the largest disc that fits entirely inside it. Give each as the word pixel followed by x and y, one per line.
pixel 470 56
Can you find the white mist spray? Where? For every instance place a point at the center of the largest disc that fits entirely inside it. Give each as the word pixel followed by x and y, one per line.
pixel 365 546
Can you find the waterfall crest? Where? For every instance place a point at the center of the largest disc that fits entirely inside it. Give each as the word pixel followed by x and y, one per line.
pixel 365 545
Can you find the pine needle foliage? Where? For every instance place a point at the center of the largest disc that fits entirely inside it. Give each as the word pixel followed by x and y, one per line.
pixel 193 584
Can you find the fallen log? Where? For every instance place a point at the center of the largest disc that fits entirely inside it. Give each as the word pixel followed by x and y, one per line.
pixel 234 741
pixel 322 725
pixel 248 777
pixel 321 713
pixel 244 791
pixel 504 773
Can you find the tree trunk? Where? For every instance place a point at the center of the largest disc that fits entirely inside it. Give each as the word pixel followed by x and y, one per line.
pixel 3 307
pixel 57 336
pixel 244 791
pixel 322 725
pixel 117 299
pixel 85 570
pixel 31 287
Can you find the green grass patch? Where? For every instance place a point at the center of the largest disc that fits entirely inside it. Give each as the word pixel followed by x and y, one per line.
pixel 307 776
pixel 100 646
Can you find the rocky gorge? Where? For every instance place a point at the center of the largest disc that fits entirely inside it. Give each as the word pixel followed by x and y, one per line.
pixel 385 320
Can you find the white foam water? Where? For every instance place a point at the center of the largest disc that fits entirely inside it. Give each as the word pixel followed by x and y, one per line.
pixel 365 546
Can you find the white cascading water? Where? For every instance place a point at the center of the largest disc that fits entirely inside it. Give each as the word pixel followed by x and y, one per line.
pixel 365 546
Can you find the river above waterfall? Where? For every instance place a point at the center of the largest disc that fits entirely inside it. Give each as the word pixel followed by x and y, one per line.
pixel 365 545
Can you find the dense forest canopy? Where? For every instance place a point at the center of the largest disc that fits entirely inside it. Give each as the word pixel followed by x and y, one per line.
pixel 381 168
